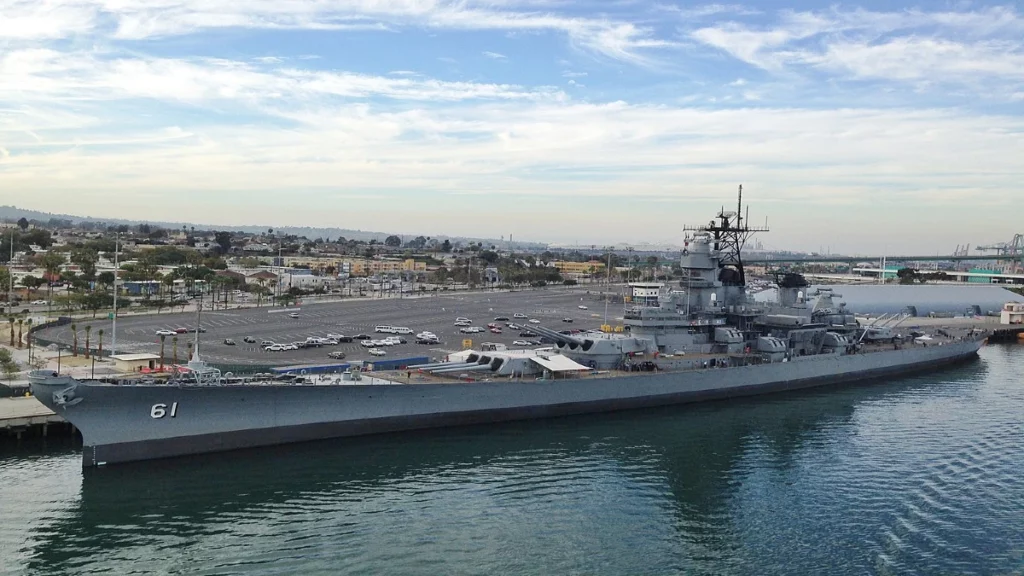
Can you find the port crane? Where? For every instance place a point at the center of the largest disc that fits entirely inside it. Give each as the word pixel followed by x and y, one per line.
pixel 1011 252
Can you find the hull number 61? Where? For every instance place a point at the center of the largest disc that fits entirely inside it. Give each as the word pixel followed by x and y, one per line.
pixel 160 410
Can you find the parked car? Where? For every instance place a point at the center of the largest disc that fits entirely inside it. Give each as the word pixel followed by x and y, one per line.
pixel 376 352
pixel 582 307
pixel 229 341
pixel 513 326
pixel 492 325
pixel 427 341
pixel 520 343
pixel 368 343
pixel 463 323
pixel 274 348
pixel 293 315
pixel 165 332
pixel 180 330
pixel 266 343
pixel 495 330
pixel 501 319
pixel 527 334
pixel 249 340
pixel 362 337
pixel 567 320
pixel 519 315
pixel 336 355
pixel 463 319
pixel 534 321
pixel 200 329
pixel 39 302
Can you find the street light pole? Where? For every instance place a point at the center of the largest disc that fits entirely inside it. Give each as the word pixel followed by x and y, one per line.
pixel 10 274
pixel 113 331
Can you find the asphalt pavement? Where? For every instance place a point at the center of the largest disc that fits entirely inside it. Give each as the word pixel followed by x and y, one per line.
pixel 436 314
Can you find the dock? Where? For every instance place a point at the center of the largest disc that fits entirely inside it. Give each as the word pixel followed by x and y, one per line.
pixel 26 414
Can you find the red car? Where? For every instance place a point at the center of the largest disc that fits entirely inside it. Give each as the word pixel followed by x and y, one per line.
pixel 495 330
pixel 181 330
pixel 492 325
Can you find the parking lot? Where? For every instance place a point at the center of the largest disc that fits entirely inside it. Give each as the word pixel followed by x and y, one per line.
pixel 435 314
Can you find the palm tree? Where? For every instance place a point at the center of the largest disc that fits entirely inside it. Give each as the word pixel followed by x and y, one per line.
pixel 21 322
pixel 163 338
pixel 88 329
pixel 100 347
pixel 11 320
pixel 74 333
pixel 174 348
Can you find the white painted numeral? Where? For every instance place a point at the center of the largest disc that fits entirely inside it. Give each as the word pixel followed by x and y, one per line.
pixel 160 410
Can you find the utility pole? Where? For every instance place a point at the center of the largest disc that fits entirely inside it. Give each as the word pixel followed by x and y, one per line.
pixel 113 330
pixel 10 274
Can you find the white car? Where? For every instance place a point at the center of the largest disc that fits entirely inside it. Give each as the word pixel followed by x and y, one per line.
pixel 39 302
pixel 521 343
pixel 329 341
pixel 165 332
pixel 582 307
pixel 534 321
pixel 377 352
pixel 426 335
pixel 463 319
pixel 293 315
pixel 289 346
pixel 462 323
pixel 367 343
pixel 519 315
pixel 333 336
pixel 274 348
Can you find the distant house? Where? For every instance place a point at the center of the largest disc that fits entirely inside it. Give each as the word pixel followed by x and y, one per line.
pixel 236 276
pixel 263 277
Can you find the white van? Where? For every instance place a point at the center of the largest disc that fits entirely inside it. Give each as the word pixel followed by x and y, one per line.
pixel 384 329
pixel 402 330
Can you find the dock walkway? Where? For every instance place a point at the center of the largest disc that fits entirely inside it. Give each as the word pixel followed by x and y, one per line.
pixel 20 414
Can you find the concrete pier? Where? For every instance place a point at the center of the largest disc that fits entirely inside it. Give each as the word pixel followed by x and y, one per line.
pixel 26 414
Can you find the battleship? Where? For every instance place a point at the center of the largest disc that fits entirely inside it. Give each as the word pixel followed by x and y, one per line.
pixel 703 338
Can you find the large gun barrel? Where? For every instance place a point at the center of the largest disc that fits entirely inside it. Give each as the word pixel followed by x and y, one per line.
pixel 556 336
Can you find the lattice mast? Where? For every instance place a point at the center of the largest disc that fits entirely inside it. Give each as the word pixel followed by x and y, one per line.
pixel 729 232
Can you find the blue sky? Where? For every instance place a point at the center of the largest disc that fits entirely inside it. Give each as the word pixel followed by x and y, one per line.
pixel 862 127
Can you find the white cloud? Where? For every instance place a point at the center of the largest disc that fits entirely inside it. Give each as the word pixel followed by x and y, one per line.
pixel 571 74
pixel 494 55
pixel 938 47
pixel 39 73
pixel 148 19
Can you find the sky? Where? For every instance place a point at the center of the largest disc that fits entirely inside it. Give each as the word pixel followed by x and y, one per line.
pixel 864 128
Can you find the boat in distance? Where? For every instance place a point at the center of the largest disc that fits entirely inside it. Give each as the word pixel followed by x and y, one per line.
pixel 704 339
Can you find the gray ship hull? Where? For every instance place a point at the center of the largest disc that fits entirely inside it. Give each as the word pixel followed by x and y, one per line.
pixel 122 423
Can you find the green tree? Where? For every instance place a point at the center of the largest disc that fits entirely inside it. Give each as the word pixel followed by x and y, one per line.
pixel 74 335
pixel 99 347
pixel 174 350
pixel 23 223
pixel 88 330
pixel 52 263
pixel 7 364
pixel 10 320
pixel 223 240
pixel 105 278
pixel 21 324
pixel 393 241
pixel 31 282
pixel 906 275
pixel 86 259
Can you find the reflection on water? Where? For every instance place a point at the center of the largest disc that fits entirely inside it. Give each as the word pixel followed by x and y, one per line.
pixel 922 475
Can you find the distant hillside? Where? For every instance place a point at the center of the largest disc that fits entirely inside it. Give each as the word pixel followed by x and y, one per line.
pixel 13 213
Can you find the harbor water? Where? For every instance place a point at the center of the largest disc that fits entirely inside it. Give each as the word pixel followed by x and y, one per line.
pixel 918 475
